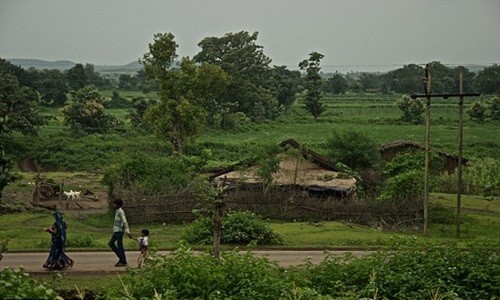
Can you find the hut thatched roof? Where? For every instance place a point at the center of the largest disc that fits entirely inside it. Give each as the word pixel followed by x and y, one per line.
pixel 309 170
pixel 405 145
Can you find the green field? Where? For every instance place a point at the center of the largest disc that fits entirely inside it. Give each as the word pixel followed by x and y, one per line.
pixel 374 115
pixel 480 227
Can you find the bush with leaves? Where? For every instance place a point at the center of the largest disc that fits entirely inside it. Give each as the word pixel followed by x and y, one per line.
pixel 412 109
pixel 445 272
pixel 354 149
pixel 16 284
pixel 238 228
pixel 405 175
pixel 477 111
pixel 136 116
pixel 483 176
pixel 185 275
pixel 86 112
pixel 494 108
pixel 442 272
pixel 118 101
pixel 5 176
pixel 153 175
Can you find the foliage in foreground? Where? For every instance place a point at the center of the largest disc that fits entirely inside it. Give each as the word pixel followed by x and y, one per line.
pixel 19 285
pixel 437 272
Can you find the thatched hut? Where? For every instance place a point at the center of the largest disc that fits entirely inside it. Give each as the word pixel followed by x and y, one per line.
pixel 390 150
pixel 308 171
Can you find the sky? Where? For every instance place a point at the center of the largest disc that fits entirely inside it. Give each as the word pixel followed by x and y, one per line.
pixel 361 35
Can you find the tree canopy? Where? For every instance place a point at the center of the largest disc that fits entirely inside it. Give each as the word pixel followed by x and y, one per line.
pixel 312 84
pixel 184 93
pixel 250 88
pixel 86 112
pixel 18 107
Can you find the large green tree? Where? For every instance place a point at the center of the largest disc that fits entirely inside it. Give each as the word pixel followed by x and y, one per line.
pixel 250 88
pixel 487 81
pixel 285 84
pixel 86 112
pixel 52 86
pixel 336 84
pixel 406 80
pixel 77 77
pixel 18 112
pixel 312 84
pixel 184 92
pixel 18 107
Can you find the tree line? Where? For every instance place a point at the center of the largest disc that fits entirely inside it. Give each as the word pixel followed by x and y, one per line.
pixel 229 79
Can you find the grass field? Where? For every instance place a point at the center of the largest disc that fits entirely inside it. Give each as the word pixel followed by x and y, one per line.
pixel 481 225
pixel 375 115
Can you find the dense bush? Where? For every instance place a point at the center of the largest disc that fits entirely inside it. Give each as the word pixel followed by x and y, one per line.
pixel 412 109
pixel 433 273
pixel 238 228
pixel 185 275
pixel 151 175
pixel 86 113
pixel 19 285
pixel 405 174
pixel 447 272
pixel 354 149
pixel 483 176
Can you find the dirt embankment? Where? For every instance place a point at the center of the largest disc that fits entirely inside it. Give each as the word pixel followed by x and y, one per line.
pixel 93 195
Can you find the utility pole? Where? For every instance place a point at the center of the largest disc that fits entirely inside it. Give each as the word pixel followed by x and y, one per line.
pixel 428 95
pixel 427 89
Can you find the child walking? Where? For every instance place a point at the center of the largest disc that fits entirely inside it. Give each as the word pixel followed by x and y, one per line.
pixel 143 241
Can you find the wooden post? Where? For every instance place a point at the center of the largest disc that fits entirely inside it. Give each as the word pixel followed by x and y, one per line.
pixel 36 194
pixel 61 191
pixel 217 227
pixel 460 146
pixel 427 88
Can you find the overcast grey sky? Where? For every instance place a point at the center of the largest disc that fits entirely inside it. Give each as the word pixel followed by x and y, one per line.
pixel 354 34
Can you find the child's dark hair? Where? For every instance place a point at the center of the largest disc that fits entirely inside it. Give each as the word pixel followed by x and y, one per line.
pixel 145 231
pixel 118 202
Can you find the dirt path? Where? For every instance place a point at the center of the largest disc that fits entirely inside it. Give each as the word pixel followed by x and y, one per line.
pixel 103 262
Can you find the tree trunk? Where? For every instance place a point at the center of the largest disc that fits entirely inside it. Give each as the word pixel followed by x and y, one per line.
pixel 217 228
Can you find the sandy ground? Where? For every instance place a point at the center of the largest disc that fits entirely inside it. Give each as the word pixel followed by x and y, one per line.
pixel 21 192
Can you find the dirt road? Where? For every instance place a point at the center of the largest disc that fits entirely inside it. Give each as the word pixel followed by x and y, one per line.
pixel 103 262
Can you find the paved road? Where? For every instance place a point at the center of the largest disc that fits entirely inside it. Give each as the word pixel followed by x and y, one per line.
pixel 103 262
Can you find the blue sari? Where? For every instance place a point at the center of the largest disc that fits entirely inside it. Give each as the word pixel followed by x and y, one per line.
pixel 58 260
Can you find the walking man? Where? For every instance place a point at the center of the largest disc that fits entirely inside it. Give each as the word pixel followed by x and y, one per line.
pixel 120 227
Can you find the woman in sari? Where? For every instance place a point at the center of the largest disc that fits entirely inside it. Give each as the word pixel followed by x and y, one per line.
pixel 57 259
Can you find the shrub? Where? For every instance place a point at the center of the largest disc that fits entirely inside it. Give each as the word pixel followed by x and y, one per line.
pixel 354 149
pixel 151 175
pixel 477 112
pixel 19 285
pixel 86 113
pixel 412 109
pixel 408 185
pixel 409 274
pixel 483 176
pixel 494 107
pixel 238 228
pixel 185 275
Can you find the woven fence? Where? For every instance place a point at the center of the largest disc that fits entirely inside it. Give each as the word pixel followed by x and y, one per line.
pixel 278 203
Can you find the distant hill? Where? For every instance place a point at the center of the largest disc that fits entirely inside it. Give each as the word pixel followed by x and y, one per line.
pixel 42 64
pixel 63 65
pixel 133 67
